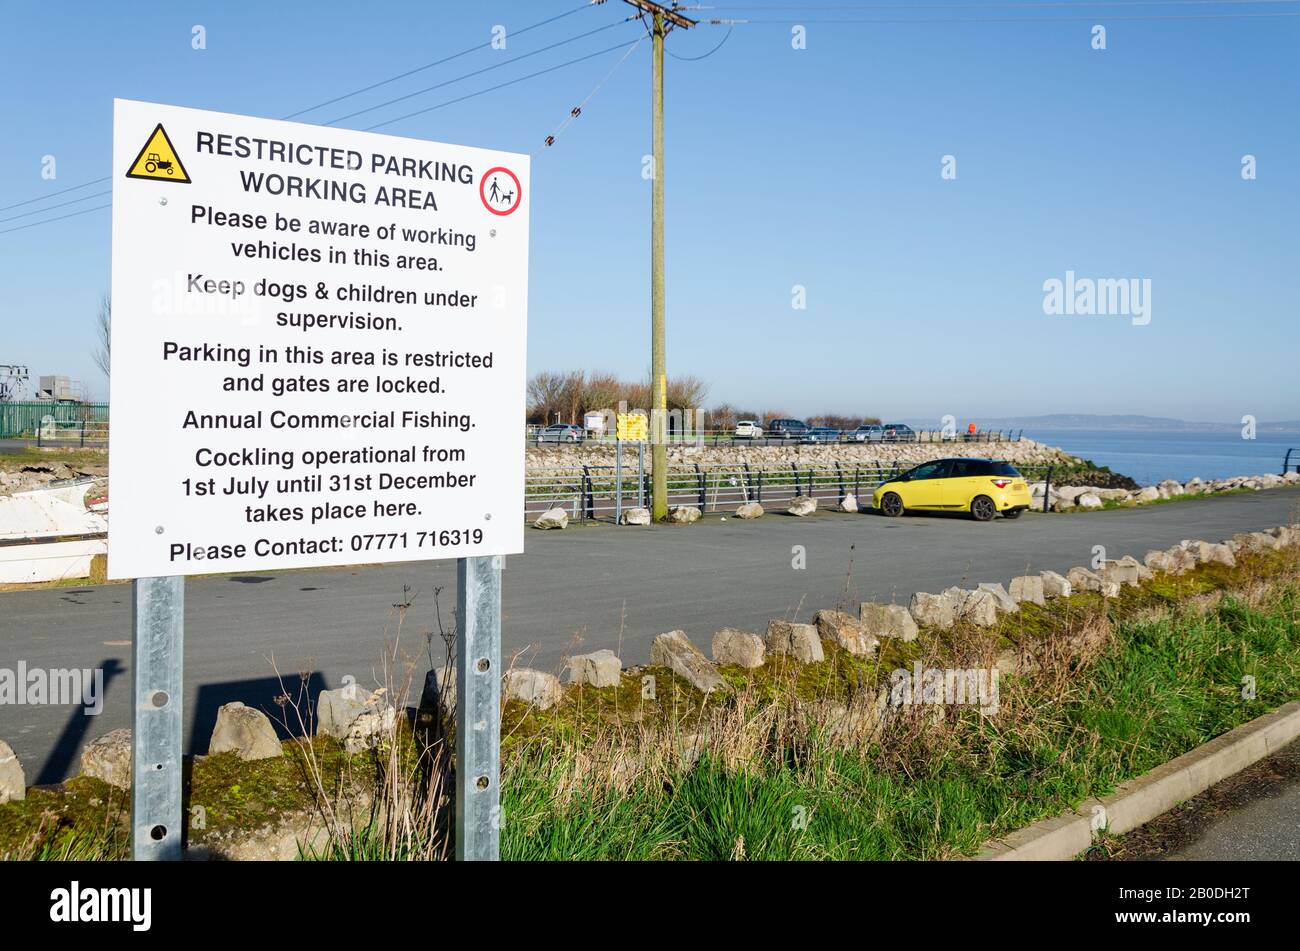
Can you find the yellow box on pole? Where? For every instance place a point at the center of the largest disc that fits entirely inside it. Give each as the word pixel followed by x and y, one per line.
pixel 633 427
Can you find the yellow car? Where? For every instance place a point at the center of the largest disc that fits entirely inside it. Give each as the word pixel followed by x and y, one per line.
pixel 981 487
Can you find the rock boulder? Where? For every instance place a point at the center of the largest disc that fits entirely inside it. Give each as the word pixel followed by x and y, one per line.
pixel 600 668
pixel 246 732
pixel 887 620
pixel 739 648
pixel 800 641
pixel 13 782
pixel 552 518
pixel 536 688
pixel 109 759
pixel 675 651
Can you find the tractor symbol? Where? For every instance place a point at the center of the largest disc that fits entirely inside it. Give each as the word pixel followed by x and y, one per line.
pixel 153 163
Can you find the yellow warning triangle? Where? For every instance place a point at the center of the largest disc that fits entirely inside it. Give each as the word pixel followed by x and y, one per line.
pixel 158 160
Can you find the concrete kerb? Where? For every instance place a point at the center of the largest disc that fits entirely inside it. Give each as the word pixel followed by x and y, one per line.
pixel 1140 800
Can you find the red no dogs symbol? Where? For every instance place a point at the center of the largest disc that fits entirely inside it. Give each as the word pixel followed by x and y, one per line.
pixel 500 190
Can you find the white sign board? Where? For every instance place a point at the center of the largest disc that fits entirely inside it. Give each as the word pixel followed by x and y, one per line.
pixel 318 346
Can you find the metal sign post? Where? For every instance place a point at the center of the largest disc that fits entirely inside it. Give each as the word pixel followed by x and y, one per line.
pixel 158 619
pixel 618 481
pixel 478 708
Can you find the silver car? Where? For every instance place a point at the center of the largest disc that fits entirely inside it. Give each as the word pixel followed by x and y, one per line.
pixel 561 432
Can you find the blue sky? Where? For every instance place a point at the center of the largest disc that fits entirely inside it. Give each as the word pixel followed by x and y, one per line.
pixel 817 167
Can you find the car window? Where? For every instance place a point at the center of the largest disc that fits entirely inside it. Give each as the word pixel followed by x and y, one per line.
pixel 962 468
pixel 1004 469
pixel 930 470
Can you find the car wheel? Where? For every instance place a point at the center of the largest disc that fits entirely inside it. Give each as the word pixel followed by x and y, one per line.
pixel 1012 513
pixel 891 504
pixel 982 508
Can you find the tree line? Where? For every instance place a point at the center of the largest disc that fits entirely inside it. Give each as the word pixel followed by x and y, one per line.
pixel 566 397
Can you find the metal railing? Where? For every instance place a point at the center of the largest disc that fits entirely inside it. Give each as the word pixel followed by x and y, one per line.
pixel 19 419
pixel 80 433
pixel 602 492
pixel 1288 465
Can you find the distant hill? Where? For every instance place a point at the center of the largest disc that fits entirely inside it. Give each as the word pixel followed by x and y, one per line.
pixel 1130 423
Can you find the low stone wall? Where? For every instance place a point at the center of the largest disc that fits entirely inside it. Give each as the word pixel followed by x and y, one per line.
pixel 1026 452
pixel 1068 498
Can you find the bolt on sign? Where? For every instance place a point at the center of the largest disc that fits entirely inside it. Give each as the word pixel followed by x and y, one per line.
pixel 632 427
pixel 318 345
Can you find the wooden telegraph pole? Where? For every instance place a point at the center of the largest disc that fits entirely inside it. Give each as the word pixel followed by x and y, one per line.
pixel 665 18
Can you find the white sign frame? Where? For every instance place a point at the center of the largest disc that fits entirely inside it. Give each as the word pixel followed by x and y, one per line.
pixel 463 487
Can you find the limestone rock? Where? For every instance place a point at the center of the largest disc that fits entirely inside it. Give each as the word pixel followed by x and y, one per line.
pixel 1181 558
pixel 1028 588
pixel 536 688
pixel 1143 572
pixel 1221 555
pixel 749 510
pixel 800 641
pixel 1055 585
pixel 355 717
pixel 635 516
pixel 1147 494
pixel 600 668
pixel 13 782
pixel 552 518
pixel 675 651
pixel 684 515
pixel 1081 579
pixel 1089 500
pixel 1118 572
pixel 887 620
pixel 978 606
pixel 802 506
pixel 337 709
pixel 740 648
pixel 849 503
pixel 933 610
pixel 1004 602
pixel 109 759
pixel 246 732
pixel 846 631
pixel 1157 560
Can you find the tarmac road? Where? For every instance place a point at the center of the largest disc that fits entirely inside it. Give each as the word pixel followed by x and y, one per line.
pixel 594 587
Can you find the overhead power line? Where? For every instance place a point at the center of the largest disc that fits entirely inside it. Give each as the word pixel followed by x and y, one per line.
pixel 437 62
pixel 691 59
pixel 440 105
pixel 479 72
pixel 62 204
pixel 62 191
pixel 511 82
pixel 348 95
pixel 1044 4
pixel 47 221
pixel 576 111
pixel 922 21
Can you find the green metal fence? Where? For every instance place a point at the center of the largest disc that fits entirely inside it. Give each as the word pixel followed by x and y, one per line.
pixel 24 419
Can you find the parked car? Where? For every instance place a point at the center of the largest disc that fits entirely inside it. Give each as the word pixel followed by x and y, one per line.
pixel 982 487
pixel 897 432
pixel 561 432
pixel 787 428
pixel 748 429
pixel 873 432
pixel 821 434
